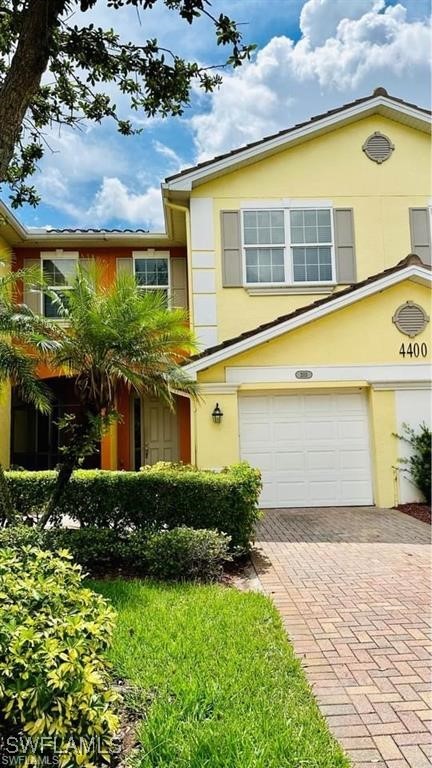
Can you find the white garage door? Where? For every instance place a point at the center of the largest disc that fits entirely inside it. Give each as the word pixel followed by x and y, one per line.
pixel 312 450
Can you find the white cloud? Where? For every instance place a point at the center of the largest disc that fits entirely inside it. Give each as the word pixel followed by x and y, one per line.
pixel 319 19
pixel 346 50
pixel 115 201
pixel 171 156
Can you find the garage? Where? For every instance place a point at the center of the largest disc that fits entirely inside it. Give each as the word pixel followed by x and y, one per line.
pixel 312 450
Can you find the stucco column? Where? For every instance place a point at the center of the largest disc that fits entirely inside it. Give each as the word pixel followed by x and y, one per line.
pixel 216 445
pixel 384 446
pixel 109 448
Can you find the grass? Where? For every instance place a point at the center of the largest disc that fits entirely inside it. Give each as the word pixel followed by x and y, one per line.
pixel 222 685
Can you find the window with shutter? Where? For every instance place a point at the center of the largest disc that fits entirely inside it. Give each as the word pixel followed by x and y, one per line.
pixel 284 247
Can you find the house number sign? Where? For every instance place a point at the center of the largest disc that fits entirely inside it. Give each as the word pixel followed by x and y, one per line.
pixel 413 349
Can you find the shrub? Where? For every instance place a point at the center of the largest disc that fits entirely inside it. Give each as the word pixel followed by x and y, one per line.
pixel 418 464
pixel 150 500
pixel 54 682
pixel 21 536
pixel 186 553
pixel 95 549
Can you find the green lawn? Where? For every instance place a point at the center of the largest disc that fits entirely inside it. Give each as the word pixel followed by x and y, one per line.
pixel 223 687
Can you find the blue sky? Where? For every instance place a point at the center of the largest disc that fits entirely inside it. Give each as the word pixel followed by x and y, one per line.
pixel 312 55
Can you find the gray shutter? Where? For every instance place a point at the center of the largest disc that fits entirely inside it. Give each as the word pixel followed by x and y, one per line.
pixel 179 297
pixel 125 266
pixel 346 271
pixel 31 296
pixel 232 270
pixel 420 233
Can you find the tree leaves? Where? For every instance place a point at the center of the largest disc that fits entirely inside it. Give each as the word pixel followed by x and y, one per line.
pixel 82 61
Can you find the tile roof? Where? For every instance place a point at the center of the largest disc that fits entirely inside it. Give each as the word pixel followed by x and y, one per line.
pixel 411 260
pixel 377 92
pixel 93 231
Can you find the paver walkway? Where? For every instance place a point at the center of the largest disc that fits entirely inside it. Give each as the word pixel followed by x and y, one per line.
pixel 352 585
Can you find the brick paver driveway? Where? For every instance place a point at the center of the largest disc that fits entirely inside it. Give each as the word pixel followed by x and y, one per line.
pixel 352 587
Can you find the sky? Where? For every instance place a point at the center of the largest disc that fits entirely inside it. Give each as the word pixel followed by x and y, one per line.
pixel 312 55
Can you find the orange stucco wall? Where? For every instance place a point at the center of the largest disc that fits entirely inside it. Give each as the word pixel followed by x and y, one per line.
pixel 116 445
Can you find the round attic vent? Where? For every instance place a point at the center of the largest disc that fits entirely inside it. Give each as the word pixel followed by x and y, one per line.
pixel 378 147
pixel 410 319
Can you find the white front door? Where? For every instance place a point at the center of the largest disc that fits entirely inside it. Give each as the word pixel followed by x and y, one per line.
pixel 312 450
pixel 159 436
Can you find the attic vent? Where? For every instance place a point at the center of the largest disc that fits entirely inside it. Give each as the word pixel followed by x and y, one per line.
pixel 410 319
pixel 378 147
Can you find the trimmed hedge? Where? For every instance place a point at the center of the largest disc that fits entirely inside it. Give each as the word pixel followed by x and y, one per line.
pixel 55 687
pixel 150 500
pixel 178 554
pixel 186 554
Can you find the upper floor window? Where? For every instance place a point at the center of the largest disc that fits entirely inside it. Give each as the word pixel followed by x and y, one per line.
pixel 58 274
pixel 152 273
pixel 285 247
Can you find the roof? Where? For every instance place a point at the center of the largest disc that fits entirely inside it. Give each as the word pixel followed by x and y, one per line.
pixel 378 99
pixel 90 230
pixel 16 234
pixel 410 261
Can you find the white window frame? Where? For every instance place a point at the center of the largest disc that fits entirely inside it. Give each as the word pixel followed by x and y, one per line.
pixel 312 245
pixel 288 246
pixel 57 255
pixel 153 254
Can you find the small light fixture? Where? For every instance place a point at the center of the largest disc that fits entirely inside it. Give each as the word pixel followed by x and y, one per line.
pixel 217 414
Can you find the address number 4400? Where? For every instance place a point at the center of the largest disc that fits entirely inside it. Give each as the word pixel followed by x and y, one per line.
pixel 413 350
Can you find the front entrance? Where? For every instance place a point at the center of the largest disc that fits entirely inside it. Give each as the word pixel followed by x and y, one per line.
pixel 155 432
pixel 36 440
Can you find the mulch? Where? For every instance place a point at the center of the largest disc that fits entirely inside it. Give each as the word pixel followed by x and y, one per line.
pixel 419 511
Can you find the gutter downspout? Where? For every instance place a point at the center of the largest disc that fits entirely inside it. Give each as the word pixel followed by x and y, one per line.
pixel 185 210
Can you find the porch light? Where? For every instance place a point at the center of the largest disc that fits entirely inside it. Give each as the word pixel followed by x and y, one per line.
pixel 217 414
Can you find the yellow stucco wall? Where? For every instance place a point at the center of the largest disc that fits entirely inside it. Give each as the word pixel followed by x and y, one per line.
pixel 362 334
pixel 382 428
pixel 331 167
pixel 5 390
pixel 217 445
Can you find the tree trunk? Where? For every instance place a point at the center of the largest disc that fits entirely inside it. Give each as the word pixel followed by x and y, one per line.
pixel 23 78
pixel 7 512
pixel 81 443
pixel 63 477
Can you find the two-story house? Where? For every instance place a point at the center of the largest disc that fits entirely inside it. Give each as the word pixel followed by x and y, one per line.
pixel 294 255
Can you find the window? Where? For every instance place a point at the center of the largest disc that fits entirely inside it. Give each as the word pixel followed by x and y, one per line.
pixel 264 228
pixel 288 247
pixel 311 242
pixel 58 274
pixel 152 273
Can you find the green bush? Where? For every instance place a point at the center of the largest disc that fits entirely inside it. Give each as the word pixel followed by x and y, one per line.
pixel 150 500
pixel 54 682
pixel 179 554
pixel 21 536
pixel 95 549
pixel 186 554
pixel 100 549
pixel 418 465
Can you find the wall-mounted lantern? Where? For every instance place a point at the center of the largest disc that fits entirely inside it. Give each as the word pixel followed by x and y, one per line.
pixel 217 414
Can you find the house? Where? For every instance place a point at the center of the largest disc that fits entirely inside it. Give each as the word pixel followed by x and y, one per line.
pixel 304 260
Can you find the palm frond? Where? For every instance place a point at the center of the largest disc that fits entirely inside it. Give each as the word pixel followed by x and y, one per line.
pixel 20 369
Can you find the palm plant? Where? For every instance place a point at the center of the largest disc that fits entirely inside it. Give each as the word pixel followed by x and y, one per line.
pixel 110 336
pixel 22 339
